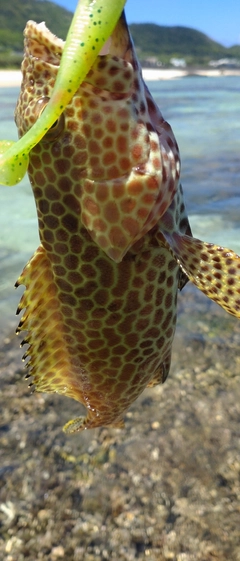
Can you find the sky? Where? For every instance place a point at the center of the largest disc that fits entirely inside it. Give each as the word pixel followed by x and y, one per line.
pixel 219 19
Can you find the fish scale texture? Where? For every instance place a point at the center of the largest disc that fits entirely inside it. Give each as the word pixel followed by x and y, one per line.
pixel 101 332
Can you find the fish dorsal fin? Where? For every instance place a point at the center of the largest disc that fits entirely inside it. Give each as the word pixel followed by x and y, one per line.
pixel 47 353
pixel 213 269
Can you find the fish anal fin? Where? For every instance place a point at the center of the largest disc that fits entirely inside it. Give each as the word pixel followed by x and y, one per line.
pixel 215 270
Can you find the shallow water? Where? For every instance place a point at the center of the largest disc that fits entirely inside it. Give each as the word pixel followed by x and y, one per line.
pixel 204 114
pixel 166 486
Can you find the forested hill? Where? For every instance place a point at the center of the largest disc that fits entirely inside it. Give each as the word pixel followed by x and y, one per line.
pixel 160 43
pixel 15 13
pixel 165 42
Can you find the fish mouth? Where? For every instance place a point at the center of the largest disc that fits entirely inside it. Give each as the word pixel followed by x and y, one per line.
pixel 45 47
pixel 41 44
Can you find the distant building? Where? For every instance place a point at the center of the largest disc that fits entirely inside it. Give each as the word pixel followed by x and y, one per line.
pixel 152 62
pixel 226 62
pixel 178 62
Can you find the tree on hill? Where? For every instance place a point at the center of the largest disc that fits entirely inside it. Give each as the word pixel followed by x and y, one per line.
pixel 15 14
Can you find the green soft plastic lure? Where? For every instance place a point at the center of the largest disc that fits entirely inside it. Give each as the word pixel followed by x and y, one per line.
pixel 92 24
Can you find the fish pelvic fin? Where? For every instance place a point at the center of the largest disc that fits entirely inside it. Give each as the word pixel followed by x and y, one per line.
pixel 215 270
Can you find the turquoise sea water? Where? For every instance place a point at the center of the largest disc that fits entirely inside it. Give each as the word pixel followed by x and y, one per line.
pixel 205 116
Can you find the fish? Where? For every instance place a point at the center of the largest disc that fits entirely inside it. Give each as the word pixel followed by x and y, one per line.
pixel 100 302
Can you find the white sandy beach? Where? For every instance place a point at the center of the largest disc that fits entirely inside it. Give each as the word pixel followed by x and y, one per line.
pixel 12 78
pixel 175 73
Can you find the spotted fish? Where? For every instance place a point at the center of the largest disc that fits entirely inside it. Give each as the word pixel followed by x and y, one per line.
pixel 115 241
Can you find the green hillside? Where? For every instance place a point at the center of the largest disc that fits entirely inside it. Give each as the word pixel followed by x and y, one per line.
pixel 15 13
pixel 166 42
pixel 160 43
pixel 13 17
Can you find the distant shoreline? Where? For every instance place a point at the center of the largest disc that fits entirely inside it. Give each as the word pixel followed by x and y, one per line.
pixel 12 78
pixel 150 74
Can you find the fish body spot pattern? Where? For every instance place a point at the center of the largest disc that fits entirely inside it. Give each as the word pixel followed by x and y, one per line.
pixel 100 302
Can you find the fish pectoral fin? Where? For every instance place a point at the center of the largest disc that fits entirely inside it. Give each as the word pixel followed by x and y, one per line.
pixel 213 269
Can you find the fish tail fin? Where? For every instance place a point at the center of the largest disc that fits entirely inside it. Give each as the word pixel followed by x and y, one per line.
pixel 215 270
pixel 75 425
